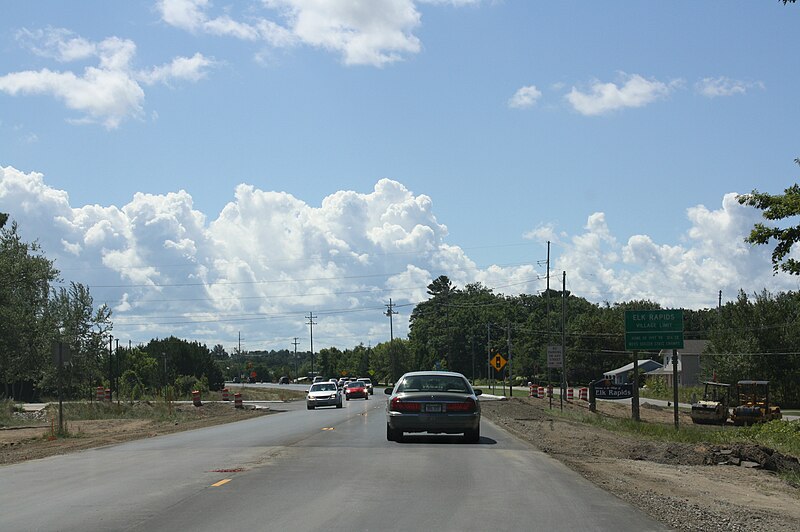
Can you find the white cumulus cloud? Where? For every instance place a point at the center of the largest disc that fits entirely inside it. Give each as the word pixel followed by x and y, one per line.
pixel 712 256
pixel 362 32
pixel 525 97
pixel 722 86
pixel 268 258
pixel 633 91
pixel 106 93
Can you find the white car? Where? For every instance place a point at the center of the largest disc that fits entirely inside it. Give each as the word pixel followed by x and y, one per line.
pixel 323 394
pixel 368 382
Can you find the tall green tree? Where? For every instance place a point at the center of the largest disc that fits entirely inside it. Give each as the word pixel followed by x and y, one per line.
pixel 184 358
pixel 85 330
pixel 26 330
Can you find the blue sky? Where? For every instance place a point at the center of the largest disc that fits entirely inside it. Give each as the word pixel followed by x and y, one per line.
pixel 164 151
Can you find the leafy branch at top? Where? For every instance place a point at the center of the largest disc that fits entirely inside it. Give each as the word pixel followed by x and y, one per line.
pixel 777 207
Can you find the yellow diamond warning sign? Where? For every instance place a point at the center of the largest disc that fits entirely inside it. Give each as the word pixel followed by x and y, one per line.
pixel 498 362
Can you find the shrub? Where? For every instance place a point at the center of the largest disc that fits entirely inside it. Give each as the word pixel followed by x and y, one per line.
pixel 185 384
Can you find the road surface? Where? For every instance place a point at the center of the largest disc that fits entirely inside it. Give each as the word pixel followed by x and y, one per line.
pixel 299 470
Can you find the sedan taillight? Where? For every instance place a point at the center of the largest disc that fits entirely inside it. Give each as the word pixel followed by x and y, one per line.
pixel 467 405
pixel 398 405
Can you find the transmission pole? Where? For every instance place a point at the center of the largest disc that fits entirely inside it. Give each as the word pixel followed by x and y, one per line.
pixel 389 312
pixel 547 314
pixel 296 375
pixel 563 338
pixel 311 324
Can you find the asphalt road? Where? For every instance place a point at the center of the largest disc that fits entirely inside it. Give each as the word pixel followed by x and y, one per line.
pixel 327 469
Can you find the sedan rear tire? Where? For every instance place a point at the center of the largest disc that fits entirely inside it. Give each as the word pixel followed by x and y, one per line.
pixel 393 434
pixel 472 436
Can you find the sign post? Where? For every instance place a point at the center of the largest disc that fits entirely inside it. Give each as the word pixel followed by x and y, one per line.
pixel 652 330
pixel 61 354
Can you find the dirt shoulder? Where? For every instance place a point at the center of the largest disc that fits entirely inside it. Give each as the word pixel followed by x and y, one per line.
pixel 35 438
pixel 675 483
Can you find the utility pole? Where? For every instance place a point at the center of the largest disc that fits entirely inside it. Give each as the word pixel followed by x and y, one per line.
pixel 311 324
pixel 489 354
pixel 563 338
pixel 392 362
pixel 296 375
pixel 472 350
pixel 510 373
pixel 389 312
pixel 547 315
pixel 116 379
pixel 110 367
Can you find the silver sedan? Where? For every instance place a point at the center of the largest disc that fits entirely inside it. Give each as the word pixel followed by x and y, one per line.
pixel 437 402
pixel 324 394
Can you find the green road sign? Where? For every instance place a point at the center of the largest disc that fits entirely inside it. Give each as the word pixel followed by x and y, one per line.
pixel 653 329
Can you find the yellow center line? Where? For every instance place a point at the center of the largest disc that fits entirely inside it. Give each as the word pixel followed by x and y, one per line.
pixel 221 482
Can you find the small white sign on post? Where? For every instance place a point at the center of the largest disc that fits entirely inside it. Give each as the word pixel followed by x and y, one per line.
pixel 554 356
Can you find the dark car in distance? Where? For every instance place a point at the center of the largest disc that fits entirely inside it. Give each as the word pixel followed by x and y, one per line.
pixel 436 402
pixel 355 389
pixel 283 380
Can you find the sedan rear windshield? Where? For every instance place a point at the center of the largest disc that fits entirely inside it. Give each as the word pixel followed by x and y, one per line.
pixel 433 383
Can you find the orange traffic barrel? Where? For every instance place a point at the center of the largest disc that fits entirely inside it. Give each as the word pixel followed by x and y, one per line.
pixel 237 400
pixel 196 398
pixel 570 394
pixel 101 394
pixel 226 394
pixel 108 394
pixel 540 392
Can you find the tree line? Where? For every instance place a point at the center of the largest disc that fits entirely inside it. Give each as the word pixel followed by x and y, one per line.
pixel 38 319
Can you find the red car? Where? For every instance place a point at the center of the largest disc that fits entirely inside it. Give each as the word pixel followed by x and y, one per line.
pixel 355 389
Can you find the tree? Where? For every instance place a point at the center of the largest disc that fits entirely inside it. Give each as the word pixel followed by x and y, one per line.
pixel 776 207
pixel 26 329
pixel 86 332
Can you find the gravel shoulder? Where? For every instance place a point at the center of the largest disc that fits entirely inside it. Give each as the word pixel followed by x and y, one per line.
pixel 682 485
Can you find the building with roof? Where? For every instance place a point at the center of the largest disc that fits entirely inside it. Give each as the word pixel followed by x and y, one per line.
pixel 688 360
pixel 621 375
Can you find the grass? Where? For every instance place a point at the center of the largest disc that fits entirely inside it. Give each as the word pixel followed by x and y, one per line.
pixel 260 394
pixel 685 393
pixel 783 436
pixel 7 410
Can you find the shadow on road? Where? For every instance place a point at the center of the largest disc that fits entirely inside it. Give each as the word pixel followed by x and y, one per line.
pixel 439 439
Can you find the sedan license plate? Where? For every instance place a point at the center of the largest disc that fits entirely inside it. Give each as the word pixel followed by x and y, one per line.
pixel 433 407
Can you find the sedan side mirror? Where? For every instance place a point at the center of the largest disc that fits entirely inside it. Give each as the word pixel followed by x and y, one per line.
pixel 387 391
pixel 478 392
